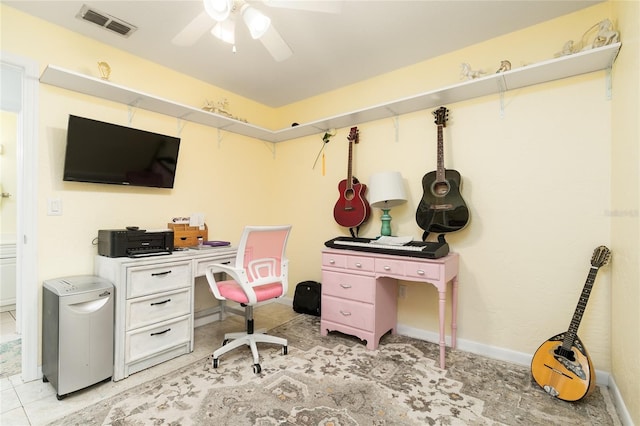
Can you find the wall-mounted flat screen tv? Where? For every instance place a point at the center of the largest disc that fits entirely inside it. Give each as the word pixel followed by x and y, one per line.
pixel 102 152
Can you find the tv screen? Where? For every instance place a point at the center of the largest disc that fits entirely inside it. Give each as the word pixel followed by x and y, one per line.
pixel 102 152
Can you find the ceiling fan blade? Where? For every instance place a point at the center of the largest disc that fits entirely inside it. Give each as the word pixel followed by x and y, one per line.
pixel 334 6
pixel 194 30
pixel 275 44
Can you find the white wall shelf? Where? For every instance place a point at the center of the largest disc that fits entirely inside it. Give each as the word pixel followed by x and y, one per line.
pixel 554 69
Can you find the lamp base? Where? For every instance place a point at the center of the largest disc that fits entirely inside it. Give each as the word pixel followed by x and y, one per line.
pixel 386 223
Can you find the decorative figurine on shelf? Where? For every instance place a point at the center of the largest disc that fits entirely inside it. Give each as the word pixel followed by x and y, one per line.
pixel 105 70
pixel 467 73
pixel 604 36
pixel 567 49
pixel 221 107
pixel 504 66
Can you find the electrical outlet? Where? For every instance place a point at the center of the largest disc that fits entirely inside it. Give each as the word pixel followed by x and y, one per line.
pixel 402 292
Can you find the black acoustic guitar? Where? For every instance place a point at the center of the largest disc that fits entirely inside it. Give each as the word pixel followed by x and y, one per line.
pixel 441 208
pixel 561 365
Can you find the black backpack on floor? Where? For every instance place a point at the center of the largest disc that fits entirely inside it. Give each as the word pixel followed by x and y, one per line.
pixel 307 297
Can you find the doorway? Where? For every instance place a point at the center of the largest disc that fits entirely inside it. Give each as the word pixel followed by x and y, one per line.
pixel 19 94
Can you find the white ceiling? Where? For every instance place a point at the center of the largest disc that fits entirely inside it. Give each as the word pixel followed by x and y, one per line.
pixel 368 38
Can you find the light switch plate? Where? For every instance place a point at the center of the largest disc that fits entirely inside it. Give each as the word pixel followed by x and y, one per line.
pixel 54 207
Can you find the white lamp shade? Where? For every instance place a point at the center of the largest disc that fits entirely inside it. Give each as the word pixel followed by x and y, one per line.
pixel 386 190
pixel 225 31
pixel 218 9
pixel 256 21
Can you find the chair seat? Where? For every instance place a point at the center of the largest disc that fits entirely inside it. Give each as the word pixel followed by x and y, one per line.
pixel 231 290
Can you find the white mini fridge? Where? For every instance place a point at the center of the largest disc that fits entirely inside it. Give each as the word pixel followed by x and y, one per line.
pixel 77 332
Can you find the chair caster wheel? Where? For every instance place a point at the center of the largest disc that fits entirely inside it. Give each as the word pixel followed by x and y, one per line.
pixel 225 341
pixel 256 368
pixel 285 350
pixel 215 363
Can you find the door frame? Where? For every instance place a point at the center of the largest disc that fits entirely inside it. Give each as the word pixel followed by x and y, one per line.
pixel 27 288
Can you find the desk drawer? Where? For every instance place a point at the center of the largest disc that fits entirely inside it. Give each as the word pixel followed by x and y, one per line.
pixel 201 265
pixel 152 279
pixel 390 267
pixel 360 263
pixel 148 310
pixel 334 260
pixel 346 286
pixel 348 312
pixel 423 270
pixel 148 341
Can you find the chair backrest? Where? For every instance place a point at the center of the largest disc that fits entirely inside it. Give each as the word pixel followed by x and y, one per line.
pixel 261 253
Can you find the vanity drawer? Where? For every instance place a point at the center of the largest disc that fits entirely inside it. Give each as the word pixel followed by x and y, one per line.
pixel 148 341
pixel 152 279
pixel 148 310
pixel 348 312
pixel 347 286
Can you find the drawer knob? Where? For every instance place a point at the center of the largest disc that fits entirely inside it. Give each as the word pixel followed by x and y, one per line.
pixel 358 265
pixel 161 303
pixel 161 332
pixel 345 313
pixel 387 268
pixel 420 272
pixel 331 261
pixel 345 285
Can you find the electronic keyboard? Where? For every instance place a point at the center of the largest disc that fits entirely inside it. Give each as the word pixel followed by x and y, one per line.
pixel 429 250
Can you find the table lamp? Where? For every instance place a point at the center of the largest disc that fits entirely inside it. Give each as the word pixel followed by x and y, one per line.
pixel 386 190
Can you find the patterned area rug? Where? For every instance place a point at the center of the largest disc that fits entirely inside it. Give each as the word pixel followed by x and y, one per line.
pixel 334 380
pixel 10 358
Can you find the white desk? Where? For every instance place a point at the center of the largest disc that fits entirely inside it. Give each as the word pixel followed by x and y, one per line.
pixel 154 315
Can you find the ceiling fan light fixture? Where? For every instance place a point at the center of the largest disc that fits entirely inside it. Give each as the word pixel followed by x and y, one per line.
pixel 257 22
pixel 225 31
pixel 218 9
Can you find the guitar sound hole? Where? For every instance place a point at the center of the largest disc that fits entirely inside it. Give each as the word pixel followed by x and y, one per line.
pixel 440 189
pixel 349 194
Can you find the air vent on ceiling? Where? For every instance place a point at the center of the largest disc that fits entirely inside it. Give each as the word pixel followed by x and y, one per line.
pixel 106 21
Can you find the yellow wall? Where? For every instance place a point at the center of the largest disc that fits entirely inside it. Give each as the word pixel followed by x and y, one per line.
pixel 625 209
pixel 540 180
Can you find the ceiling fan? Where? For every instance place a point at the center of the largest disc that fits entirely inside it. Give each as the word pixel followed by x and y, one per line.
pixel 220 16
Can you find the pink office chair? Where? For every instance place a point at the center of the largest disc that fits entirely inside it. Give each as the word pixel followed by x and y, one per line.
pixel 260 273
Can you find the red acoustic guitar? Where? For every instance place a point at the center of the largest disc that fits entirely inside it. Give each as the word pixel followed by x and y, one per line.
pixel 561 365
pixel 351 209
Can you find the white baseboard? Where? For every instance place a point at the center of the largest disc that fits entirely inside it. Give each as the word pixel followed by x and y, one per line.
pixel 618 402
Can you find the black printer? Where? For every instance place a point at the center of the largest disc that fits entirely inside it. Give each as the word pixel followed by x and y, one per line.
pixel 134 243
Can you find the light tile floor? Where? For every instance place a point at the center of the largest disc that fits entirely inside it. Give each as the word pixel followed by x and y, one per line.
pixel 35 403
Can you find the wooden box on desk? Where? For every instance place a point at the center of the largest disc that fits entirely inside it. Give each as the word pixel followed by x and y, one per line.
pixel 187 236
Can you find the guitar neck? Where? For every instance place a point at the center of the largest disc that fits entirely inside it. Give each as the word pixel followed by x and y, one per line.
pixel 572 332
pixel 440 174
pixel 349 175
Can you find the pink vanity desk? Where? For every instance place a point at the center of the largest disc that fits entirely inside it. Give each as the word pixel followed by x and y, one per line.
pixel 360 290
